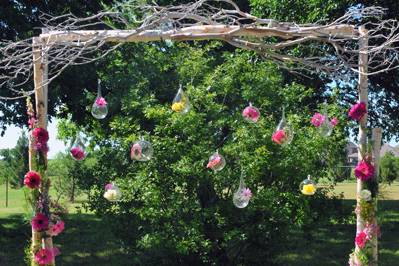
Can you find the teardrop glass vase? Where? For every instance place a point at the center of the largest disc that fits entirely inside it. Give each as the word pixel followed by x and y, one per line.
pixel 242 196
pixel 326 127
pixel 99 108
pixel 78 149
pixel 181 103
pixel 141 150
pixel 283 134
pixel 216 162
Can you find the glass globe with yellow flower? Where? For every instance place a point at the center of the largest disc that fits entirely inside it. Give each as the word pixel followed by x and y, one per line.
pixel 308 187
pixel 112 192
pixel 181 103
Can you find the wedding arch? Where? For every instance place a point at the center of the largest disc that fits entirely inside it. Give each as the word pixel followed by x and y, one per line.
pixel 359 43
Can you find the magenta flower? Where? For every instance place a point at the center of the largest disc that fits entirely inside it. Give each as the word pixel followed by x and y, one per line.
pixel 317 119
pixel 251 113
pixel 40 134
pixel 39 222
pixel 57 228
pixel 101 101
pixel 32 179
pixel 108 186
pixel 78 153
pixel 372 230
pixel 246 194
pixel 361 239
pixel 364 170
pixel 357 111
pixel 45 256
pixel 214 162
pixel 334 121
pixel 279 136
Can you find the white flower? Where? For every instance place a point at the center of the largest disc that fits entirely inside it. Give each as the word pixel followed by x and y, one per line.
pixel 112 194
pixel 365 194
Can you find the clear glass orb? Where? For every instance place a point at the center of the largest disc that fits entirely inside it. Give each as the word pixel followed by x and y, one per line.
pixel 308 187
pixel 216 162
pixel 251 113
pixel 326 128
pixel 112 193
pixel 181 103
pixel 99 111
pixel 78 151
pixel 141 151
pixel 239 201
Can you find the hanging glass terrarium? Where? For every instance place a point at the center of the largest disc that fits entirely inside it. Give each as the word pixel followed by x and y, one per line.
pixel 99 109
pixel 141 150
pixel 308 187
pixel 284 133
pixel 251 113
pixel 326 127
pixel 216 162
pixel 78 149
pixel 181 103
pixel 242 196
pixel 112 192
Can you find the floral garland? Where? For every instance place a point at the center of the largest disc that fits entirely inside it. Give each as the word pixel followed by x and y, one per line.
pixel 367 199
pixel 45 224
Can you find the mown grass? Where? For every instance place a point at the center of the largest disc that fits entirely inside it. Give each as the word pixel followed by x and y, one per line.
pixel 88 241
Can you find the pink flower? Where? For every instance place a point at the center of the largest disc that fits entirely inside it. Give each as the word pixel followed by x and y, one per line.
pixel 334 121
pixel 246 194
pixel 279 136
pixel 57 228
pixel 78 153
pixel 32 122
pixel 45 256
pixel 357 111
pixel 32 179
pixel 40 134
pixel 136 151
pixel 361 239
pixel 101 101
pixel 108 186
pixel 39 222
pixel 214 162
pixel 317 119
pixel 251 113
pixel 364 171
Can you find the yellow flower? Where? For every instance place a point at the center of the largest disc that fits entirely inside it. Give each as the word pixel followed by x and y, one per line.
pixel 178 107
pixel 309 189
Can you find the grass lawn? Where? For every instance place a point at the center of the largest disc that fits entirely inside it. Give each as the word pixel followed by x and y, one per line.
pixel 82 244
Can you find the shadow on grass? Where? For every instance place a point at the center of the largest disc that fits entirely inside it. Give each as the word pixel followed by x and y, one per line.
pixel 86 241
pixel 331 245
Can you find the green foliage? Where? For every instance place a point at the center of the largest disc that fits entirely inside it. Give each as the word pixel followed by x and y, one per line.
pixel 173 208
pixel 15 162
pixel 389 168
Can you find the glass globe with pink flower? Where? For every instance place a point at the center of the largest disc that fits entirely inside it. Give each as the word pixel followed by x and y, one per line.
pixel 283 135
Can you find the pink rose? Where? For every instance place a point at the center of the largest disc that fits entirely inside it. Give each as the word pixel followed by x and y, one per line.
pixel 357 111
pixel 361 239
pixel 279 136
pixel 40 135
pixel 136 151
pixel 364 171
pixel 108 186
pixel 317 119
pixel 251 113
pixel 101 102
pixel 45 255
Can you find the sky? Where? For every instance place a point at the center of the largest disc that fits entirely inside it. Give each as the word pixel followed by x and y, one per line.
pixel 9 140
